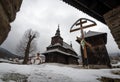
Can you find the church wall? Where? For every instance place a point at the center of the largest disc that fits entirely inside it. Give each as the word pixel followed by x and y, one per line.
pixel 62 59
pixel 72 60
pixel 56 39
pixel 56 58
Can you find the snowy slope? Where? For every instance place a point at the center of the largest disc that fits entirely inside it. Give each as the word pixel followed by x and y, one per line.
pixel 55 73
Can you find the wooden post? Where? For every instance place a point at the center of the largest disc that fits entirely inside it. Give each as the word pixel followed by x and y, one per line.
pixel 84 47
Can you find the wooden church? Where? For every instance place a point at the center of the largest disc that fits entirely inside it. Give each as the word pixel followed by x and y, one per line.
pixel 98 55
pixel 60 52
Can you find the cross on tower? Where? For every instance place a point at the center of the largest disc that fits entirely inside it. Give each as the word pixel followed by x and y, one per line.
pixel 83 43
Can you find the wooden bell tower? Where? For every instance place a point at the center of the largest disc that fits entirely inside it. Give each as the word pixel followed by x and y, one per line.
pixel 98 55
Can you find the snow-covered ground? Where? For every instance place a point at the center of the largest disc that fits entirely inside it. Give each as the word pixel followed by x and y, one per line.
pixel 117 65
pixel 55 73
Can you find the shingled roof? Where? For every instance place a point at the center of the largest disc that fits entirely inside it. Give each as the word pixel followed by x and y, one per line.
pixel 65 45
pixel 92 33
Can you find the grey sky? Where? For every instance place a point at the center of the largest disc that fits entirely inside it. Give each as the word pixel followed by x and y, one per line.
pixel 44 17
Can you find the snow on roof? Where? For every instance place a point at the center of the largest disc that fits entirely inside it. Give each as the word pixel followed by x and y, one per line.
pixel 57 44
pixel 92 33
pixel 57 50
pixel 65 45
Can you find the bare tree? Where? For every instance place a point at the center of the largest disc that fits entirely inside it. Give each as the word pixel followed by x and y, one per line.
pixel 28 44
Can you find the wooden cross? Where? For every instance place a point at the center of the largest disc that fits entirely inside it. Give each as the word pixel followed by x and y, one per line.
pixel 83 43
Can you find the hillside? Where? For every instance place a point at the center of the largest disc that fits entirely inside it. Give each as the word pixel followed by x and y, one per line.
pixel 6 54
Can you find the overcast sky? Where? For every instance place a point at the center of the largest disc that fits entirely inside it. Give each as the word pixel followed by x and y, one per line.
pixel 44 17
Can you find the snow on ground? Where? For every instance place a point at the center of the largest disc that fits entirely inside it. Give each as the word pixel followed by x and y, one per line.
pixel 116 65
pixel 56 73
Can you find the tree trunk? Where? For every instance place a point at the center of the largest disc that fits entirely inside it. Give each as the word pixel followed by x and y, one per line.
pixel 26 54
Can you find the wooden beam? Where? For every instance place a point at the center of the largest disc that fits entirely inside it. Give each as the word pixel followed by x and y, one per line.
pixel 89 26
pixel 81 22
pixel 72 30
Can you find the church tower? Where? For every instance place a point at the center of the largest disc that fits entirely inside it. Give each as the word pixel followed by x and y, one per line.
pixel 57 38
